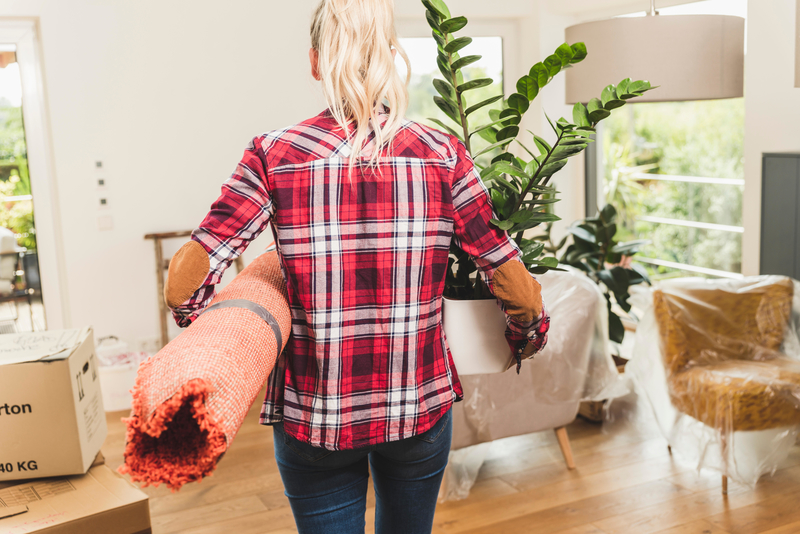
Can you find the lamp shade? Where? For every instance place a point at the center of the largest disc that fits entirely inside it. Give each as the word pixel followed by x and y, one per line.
pixel 691 57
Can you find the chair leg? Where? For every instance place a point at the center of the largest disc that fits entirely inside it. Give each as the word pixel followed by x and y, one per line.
pixel 669 449
pixel 566 449
pixel 724 443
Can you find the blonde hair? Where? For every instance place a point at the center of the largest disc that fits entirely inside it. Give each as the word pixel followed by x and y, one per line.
pixel 354 40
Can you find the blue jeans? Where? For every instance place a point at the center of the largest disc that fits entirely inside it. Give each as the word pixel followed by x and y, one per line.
pixel 328 489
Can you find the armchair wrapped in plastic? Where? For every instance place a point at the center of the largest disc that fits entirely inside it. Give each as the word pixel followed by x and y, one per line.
pixel 719 361
pixel 576 365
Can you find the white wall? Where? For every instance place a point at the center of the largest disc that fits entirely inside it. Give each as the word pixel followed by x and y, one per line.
pixel 772 107
pixel 167 94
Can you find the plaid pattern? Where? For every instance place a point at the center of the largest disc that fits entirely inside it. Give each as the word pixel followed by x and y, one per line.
pixel 364 253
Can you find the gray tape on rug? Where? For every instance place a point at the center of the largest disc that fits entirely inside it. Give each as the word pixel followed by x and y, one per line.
pixel 255 308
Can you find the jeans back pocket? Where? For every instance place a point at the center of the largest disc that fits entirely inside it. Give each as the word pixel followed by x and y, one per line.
pixel 434 432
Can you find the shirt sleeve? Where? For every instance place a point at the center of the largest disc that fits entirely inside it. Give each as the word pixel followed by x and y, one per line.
pixel 237 217
pixel 489 246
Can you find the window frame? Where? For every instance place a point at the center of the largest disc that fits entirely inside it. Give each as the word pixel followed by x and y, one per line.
pixel 505 29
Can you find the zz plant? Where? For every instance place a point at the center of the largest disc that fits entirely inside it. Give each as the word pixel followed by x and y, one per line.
pixel 519 186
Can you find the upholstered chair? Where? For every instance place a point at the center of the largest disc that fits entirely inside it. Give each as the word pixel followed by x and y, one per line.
pixel 721 345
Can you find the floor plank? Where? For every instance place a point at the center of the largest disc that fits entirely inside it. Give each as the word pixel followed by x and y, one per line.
pixel 625 482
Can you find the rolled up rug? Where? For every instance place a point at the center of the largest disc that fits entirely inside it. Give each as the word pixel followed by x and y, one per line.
pixel 191 398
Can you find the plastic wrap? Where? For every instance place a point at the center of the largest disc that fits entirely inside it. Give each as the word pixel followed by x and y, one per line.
pixel 576 365
pixel 719 362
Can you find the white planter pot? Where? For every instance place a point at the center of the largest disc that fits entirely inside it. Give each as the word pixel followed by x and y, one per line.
pixel 475 331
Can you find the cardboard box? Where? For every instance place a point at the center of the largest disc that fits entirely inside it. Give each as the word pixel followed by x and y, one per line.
pixel 52 421
pixel 99 502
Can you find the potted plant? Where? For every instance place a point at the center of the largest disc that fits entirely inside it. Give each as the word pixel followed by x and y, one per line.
pixel 608 263
pixel 520 187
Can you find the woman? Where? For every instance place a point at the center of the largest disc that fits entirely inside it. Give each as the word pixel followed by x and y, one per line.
pixel 363 206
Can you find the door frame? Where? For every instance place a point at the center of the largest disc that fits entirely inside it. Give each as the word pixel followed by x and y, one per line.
pixel 24 34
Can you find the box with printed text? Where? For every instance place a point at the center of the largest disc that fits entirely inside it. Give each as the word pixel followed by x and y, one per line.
pixel 52 421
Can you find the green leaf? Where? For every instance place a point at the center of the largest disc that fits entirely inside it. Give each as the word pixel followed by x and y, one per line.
pixel 536 219
pixel 519 102
pixel 446 127
pixel 532 254
pixel 553 65
pixel 608 214
pixel 549 262
pixel 580 115
pixel 564 53
pixel 631 247
pixel 616 330
pixel 596 111
pixel 465 61
pixel 608 94
pixel 527 86
pixel 504 156
pixel 610 99
pixel 492 147
pixel 474 84
pixel 433 20
pixel 453 25
pixel 444 67
pixel 457 44
pixel 586 132
pixel 508 133
pixel 541 74
pixel 542 145
pixel 440 41
pixel 507 168
pixel 578 52
pixel 486 126
pixel 521 216
pixel 512 116
pixel 476 107
pixel 438 7
pixel 503 225
pixel 447 108
pixel 445 89
pixel 639 86
pixel 551 168
pixel 567 151
pixel 494 114
pixel 622 87
pixel 565 125
pixel 488 134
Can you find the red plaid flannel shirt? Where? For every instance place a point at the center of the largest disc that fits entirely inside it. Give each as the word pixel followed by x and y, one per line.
pixel 365 256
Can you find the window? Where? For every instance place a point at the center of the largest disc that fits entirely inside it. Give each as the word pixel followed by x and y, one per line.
pixel 422 56
pixel 675 172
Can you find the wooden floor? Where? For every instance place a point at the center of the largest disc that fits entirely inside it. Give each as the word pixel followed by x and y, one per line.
pixel 626 482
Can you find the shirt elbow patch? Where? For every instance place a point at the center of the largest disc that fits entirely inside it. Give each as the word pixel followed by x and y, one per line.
pixel 516 288
pixel 188 269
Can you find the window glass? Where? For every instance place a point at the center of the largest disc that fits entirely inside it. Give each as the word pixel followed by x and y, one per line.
pixel 675 171
pixel 422 56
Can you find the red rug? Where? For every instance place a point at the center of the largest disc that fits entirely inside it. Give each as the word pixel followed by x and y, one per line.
pixel 191 398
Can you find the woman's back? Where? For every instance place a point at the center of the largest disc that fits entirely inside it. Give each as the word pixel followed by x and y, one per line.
pixel 365 254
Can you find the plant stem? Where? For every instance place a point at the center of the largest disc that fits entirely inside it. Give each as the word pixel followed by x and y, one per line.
pixel 459 100
pixel 536 175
